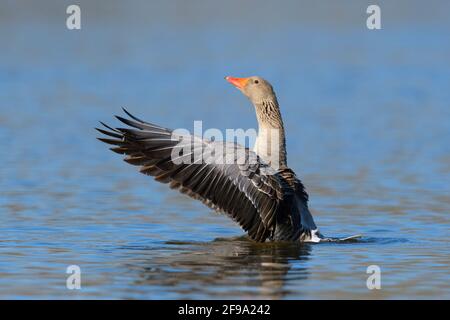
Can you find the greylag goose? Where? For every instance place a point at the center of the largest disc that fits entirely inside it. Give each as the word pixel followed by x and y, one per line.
pixel 256 188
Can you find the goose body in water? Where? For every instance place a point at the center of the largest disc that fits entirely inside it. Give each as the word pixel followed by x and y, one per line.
pixel 256 188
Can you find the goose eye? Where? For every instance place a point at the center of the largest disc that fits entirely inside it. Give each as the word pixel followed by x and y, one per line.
pixel 256 81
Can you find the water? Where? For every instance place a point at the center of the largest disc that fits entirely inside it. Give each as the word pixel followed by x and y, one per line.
pixel 367 118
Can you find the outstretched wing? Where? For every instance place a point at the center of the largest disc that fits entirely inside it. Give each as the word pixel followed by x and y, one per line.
pixel 225 176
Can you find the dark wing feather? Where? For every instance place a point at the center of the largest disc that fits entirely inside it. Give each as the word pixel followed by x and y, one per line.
pixel 295 221
pixel 246 189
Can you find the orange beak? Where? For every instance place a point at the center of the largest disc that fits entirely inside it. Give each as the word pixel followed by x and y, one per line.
pixel 237 82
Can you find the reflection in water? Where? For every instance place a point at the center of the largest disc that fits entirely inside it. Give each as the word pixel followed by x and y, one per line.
pixel 251 269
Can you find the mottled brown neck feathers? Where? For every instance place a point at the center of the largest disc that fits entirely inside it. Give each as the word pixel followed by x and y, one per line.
pixel 271 137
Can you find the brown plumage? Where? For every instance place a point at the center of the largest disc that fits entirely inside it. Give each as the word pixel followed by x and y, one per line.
pixel 256 188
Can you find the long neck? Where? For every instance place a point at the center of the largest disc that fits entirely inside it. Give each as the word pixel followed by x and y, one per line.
pixel 271 143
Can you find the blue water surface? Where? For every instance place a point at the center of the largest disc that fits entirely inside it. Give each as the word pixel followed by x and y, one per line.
pixel 367 115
